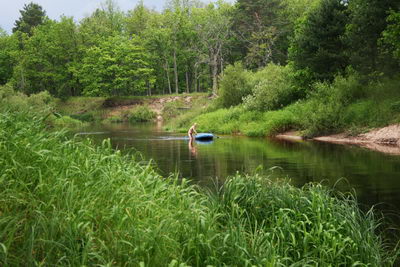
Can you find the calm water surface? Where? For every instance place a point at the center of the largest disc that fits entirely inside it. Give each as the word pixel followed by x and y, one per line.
pixel 373 176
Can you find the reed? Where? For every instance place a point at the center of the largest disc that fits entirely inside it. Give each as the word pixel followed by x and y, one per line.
pixel 68 202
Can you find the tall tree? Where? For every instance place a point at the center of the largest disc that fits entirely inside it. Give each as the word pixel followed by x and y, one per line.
pixel 214 28
pixel 159 44
pixel 102 23
pixel 117 66
pixel 138 19
pixel 317 45
pixel 260 30
pixel 32 15
pixel 391 36
pixel 49 59
pixel 367 22
pixel 8 56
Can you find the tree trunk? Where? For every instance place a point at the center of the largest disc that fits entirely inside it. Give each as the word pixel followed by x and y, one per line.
pixel 176 74
pixel 195 79
pixel 214 66
pixel 167 73
pixel 187 83
pixel 148 85
pixel 222 64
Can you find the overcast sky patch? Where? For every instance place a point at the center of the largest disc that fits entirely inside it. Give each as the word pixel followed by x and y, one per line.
pixel 9 10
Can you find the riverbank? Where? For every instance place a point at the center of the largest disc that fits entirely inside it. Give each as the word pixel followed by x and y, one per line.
pixel 385 140
pixel 69 202
pixel 124 109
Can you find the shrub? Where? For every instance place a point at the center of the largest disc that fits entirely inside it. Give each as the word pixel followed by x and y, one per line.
pixel 141 114
pixel 114 119
pixel 272 91
pixel 40 99
pixel 173 109
pixel 234 85
pixel 279 121
pixel 324 111
pixel 40 102
pixel 6 91
pixel 67 121
pixel 86 117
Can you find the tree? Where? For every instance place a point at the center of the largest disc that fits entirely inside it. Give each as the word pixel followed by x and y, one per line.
pixel 138 19
pixel 117 66
pixel 317 45
pixel 391 36
pixel 49 59
pixel 32 15
pixel 213 25
pixel 235 84
pixel 367 22
pixel 158 43
pixel 102 23
pixel 261 31
pixel 8 56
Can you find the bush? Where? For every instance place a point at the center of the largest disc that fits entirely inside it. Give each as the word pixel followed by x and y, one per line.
pixel 234 85
pixel 40 102
pixel 85 117
pixel 272 91
pixel 173 109
pixel 323 113
pixel 114 119
pixel 40 99
pixel 67 121
pixel 141 114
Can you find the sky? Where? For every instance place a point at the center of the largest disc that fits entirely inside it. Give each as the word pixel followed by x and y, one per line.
pixel 9 9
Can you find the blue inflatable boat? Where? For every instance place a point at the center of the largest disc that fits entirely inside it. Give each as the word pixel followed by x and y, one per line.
pixel 204 136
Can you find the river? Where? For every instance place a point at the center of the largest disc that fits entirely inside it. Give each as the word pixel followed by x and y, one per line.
pixel 374 177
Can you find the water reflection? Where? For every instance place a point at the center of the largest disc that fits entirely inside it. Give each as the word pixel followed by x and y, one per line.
pixel 192 148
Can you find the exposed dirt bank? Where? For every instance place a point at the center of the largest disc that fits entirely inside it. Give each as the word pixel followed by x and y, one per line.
pixel 155 104
pixel 385 140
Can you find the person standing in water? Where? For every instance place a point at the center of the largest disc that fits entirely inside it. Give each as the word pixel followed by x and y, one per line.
pixel 192 131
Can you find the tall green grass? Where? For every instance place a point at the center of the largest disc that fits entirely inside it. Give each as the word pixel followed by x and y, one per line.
pixel 68 202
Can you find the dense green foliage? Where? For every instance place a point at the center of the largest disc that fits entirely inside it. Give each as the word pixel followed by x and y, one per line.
pixel 391 35
pixel 349 103
pixel 271 89
pixel 141 114
pixel 234 85
pixel 187 47
pixel 367 22
pixel 343 65
pixel 8 46
pixel 116 66
pixel 67 202
pixel 318 44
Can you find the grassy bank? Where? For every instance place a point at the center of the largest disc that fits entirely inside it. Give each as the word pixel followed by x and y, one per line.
pixel 68 202
pixel 346 105
pixel 127 109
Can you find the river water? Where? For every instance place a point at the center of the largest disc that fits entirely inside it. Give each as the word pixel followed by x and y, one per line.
pixel 374 177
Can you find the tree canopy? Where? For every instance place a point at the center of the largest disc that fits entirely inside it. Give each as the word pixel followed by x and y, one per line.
pixel 32 15
pixel 187 46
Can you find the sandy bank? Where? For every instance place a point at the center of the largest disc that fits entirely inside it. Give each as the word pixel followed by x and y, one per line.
pixel 385 140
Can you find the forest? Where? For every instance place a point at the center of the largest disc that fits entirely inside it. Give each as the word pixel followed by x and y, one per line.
pixel 187 46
